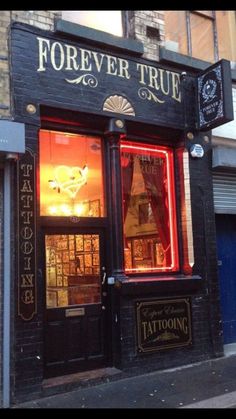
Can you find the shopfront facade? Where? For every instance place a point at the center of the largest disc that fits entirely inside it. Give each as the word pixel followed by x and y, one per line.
pixel 115 247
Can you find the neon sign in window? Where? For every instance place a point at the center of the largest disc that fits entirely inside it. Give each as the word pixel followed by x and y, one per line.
pixel 150 233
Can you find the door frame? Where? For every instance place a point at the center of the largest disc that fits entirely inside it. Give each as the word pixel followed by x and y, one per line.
pixel 80 228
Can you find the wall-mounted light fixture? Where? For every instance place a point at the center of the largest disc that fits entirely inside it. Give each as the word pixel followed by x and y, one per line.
pixel 31 109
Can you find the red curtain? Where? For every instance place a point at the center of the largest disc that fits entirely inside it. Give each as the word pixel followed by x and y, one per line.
pixel 127 165
pixel 155 179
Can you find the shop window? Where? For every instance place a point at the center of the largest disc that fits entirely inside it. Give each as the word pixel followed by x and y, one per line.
pixel 150 233
pixel 71 175
pixel 104 20
pixel 192 33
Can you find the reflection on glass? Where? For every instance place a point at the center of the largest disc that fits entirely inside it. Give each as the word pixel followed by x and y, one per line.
pixel 71 176
pixel 72 276
pixel 150 237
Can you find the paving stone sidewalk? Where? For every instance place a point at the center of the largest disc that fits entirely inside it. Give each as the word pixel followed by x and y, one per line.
pixel 208 384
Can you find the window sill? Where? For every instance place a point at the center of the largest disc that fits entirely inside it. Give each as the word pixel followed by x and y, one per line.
pixel 162 284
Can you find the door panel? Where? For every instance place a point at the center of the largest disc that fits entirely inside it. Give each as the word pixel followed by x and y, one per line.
pixel 226 244
pixel 75 320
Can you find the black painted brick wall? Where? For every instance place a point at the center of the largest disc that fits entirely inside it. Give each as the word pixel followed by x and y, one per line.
pixel 198 351
pixel 205 307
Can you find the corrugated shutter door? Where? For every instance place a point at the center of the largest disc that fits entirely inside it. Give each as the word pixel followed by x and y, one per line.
pixel 224 190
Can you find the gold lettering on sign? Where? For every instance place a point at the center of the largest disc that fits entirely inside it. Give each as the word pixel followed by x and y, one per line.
pixel 163 324
pixel 27 280
pixel 162 81
pixel 26 186
pixel 153 326
pixel 27 297
pixel 155 83
pixel 26 213
pixel 27 264
pixel 27 200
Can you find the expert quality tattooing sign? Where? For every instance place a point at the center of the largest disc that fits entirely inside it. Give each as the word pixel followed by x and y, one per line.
pixel 163 324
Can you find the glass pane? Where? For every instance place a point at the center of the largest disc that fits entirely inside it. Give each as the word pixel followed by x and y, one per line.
pixel 105 20
pixel 150 238
pixel 202 37
pixel 71 176
pixel 176 31
pixel 72 269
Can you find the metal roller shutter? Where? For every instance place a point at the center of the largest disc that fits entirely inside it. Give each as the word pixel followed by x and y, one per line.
pixel 224 190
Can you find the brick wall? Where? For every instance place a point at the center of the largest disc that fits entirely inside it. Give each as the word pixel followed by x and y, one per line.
pixel 43 19
pixel 140 22
pixel 4 64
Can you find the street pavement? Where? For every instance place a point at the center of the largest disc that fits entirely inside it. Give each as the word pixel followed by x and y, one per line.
pixel 205 385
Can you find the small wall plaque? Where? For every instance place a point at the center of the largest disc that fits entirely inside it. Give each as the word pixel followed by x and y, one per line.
pixel 163 324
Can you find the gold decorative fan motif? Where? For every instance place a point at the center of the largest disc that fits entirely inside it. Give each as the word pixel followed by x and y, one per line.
pixel 118 104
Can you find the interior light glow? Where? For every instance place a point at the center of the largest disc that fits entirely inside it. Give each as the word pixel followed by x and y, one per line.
pixel 69 179
pixel 53 210
pixel 80 160
pixel 79 209
pixel 65 209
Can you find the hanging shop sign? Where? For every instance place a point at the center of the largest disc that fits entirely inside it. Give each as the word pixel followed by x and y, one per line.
pixel 163 324
pixel 62 72
pixel 214 96
pixel 27 302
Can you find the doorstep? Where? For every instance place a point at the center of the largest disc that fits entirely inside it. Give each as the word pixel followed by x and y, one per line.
pixel 70 382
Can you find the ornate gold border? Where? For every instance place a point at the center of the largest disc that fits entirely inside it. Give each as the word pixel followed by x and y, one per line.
pixel 140 349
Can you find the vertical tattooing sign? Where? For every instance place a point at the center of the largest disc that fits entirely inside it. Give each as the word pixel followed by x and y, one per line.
pixel 214 96
pixel 27 302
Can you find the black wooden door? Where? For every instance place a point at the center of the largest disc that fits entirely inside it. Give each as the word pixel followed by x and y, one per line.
pixel 76 307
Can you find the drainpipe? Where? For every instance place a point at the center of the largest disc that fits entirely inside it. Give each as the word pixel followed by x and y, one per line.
pixel 6 283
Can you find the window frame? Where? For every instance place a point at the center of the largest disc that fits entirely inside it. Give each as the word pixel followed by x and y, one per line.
pixel 186 47
pixel 189 35
pixel 172 209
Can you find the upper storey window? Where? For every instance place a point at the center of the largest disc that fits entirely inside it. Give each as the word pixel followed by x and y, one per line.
pixel 104 20
pixel 192 33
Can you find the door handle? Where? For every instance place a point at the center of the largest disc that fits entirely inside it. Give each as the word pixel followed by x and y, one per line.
pixel 104 275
